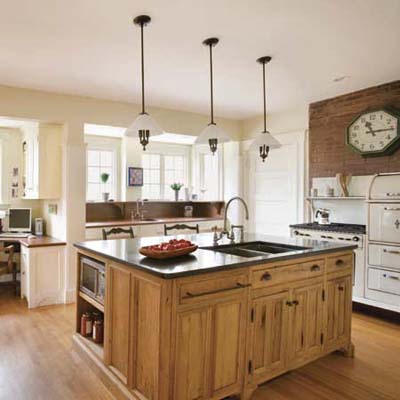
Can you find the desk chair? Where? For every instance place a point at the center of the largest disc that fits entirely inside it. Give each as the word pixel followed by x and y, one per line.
pixel 181 227
pixel 117 231
pixel 9 267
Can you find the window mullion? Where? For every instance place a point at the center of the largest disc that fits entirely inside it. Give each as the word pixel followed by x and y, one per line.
pixel 162 176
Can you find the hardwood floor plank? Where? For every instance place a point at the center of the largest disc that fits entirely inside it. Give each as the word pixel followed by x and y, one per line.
pixel 37 361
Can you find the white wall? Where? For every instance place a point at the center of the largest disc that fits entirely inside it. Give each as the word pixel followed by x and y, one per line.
pixel 10 140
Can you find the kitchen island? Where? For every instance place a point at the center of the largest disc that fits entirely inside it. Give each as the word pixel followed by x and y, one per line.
pixel 218 322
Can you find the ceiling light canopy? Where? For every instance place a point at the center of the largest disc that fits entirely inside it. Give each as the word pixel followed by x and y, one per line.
pixel 264 142
pixel 144 125
pixel 212 134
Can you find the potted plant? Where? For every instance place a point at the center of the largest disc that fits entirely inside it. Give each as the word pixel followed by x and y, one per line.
pixel 104 178
pixel 176 187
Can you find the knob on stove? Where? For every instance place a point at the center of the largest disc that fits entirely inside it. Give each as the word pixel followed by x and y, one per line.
pixel 356 239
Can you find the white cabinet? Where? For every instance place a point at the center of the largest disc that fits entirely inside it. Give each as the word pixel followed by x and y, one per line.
pixel 41 162
pixel 43 275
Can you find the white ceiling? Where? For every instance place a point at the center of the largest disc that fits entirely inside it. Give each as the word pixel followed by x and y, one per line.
pixel 90 47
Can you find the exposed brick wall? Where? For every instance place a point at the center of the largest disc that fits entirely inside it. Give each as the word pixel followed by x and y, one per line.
pixel 328 120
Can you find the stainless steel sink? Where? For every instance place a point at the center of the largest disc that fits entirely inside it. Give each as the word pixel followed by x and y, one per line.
pixel 255 249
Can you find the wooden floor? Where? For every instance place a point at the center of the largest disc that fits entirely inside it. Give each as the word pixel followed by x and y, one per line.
pixel 37 362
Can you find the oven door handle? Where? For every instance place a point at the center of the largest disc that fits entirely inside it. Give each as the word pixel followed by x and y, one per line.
pixel 392 194
pixel 395 278
pixel 392 251
pixel 391 208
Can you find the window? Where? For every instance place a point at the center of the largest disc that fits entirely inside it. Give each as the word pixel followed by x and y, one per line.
pixel 151 176
pixel 209 173
pixel 209 177
pixel 100 161
pixel 160 171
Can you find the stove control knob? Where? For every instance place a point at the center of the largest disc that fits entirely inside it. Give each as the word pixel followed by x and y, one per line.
pixel 356 239
pixel 296 233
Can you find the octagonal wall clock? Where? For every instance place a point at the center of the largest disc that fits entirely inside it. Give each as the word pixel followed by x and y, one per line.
pixel 375 132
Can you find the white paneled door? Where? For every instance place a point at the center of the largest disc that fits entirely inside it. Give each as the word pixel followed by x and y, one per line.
pixel 275 188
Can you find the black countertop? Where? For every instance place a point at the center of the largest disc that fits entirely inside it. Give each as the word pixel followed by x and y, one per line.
pixel 126 251
pixel 333 227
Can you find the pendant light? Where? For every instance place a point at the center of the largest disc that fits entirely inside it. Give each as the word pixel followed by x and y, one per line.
pixel 144 125
pixel 264 142
pixel 212 134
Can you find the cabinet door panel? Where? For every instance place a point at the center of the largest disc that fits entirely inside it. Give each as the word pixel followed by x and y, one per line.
pixel 306 322
pixel 192 362
pixel 118 312
pixel 269 334
pixel 338 316
pixel 228 345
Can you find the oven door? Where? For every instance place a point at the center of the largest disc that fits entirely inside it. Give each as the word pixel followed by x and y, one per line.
pixel 101 286
pixel 89 277
pixel 384 224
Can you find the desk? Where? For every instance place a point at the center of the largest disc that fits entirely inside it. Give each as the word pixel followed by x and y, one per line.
pixel 42 269
pixel 39 241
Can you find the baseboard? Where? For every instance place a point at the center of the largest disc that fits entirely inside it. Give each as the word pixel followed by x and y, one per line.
pixel 372 311
pixel 111 382
pixel 70 296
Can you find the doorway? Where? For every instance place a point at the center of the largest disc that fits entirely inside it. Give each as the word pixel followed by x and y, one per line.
pixel 275 188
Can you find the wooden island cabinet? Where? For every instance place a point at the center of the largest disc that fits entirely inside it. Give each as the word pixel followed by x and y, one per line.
pixel 217 334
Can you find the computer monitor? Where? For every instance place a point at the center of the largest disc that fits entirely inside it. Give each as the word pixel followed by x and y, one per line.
pixel 20 219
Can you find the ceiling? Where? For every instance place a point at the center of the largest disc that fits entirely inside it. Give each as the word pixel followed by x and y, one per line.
pixel 91 48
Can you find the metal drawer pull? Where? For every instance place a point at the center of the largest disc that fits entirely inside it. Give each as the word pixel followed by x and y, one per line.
pixel 315 268
pixel 392 194
pixel 396 278
pixel 295 303
pixel 391 208
pixel 340 263
pixel 391 251
pixel 341 288
pixel 266 276
pixel 289 303
pixel 190 295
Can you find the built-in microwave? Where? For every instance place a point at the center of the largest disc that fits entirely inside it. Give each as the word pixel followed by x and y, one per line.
pixel 92 279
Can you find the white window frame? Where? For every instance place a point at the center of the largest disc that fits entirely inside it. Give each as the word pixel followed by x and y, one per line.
pixel 198 171
pixel 99 143
pixel 167 149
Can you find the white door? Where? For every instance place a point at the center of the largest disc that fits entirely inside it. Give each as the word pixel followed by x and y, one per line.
pixel 275 188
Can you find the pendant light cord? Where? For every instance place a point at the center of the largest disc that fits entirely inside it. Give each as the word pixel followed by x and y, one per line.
pixel 142 54
pixel 265 100
pixel 211 86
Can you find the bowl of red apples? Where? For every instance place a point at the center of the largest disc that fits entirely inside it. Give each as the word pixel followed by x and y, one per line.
pixel 172 248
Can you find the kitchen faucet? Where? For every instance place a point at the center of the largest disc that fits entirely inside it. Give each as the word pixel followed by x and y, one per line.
pixel 225 231
pixel 139 209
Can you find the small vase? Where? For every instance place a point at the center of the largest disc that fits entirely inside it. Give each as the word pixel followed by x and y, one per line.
pixel 176 195
pixel 106 196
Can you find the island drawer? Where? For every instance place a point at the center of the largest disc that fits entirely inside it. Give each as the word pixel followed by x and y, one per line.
pixel 211 288
pixel 340 263
pixel 276 275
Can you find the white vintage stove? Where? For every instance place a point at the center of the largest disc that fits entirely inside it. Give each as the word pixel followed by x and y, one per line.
pixel 335 232
pixel 383 242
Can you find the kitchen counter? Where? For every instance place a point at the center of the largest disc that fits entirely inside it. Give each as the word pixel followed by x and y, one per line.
pixel 211 325
pixel 126 251
pixel 136 222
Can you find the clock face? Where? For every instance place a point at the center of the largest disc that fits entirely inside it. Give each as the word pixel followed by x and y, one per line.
pixel 373 132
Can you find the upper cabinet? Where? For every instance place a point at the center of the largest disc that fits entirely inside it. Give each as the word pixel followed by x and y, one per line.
pixel 41 162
